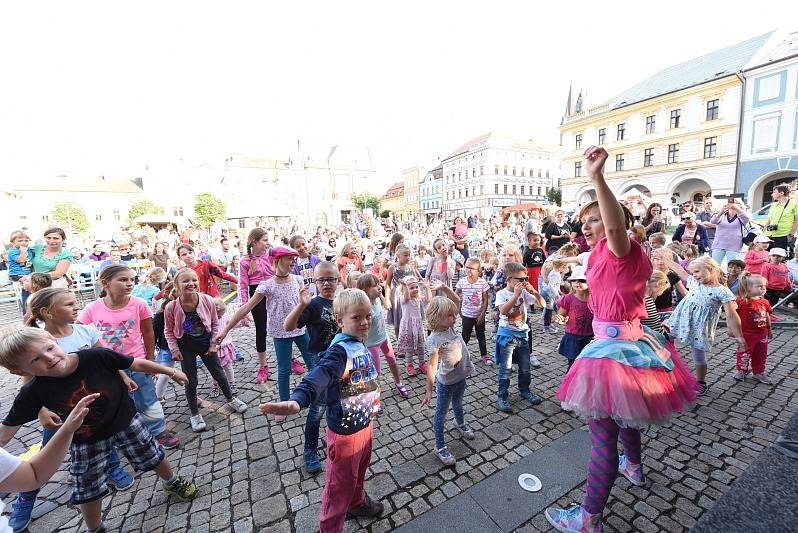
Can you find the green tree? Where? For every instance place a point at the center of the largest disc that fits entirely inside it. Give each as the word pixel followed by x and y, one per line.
pixel 555 196
pixel 143 207
pixel 366 201
pixel 208 209
pixel 70 215
pixel 385 214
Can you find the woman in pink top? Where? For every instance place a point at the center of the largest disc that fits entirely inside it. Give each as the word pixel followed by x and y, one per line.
pixel 625 378
pixel 255 267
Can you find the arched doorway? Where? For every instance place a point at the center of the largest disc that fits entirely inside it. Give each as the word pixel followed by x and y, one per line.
pixel 760 191
pixel 586 196
pixel 690 189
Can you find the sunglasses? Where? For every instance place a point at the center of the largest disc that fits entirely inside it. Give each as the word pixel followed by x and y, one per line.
pixel 326 280
pixel 525 278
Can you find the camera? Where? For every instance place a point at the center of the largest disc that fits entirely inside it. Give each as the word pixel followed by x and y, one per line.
pixel 772 227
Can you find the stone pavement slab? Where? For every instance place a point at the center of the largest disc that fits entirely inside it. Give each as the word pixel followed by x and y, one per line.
pixel 456 515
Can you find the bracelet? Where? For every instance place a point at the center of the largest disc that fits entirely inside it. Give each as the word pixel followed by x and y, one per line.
pixel 174 373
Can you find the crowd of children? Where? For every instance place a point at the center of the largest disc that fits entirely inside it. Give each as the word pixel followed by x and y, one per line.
pixel 622 305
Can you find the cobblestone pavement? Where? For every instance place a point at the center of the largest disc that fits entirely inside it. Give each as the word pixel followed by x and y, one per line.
pixel 250 468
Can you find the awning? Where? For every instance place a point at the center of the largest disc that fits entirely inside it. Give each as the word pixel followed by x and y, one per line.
pixel 528 206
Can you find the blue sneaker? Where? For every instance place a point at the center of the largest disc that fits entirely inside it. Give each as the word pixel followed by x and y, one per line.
pixel 239 356
pixel 312 463
pixel 21 510
pixel 504 405
pixel 574 520
pixel 119 479
pixel 533 398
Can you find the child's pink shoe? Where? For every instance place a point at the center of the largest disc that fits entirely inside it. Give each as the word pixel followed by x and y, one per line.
pixel 411 370
pixel 263 374
pixel 297 367
pixel 423 366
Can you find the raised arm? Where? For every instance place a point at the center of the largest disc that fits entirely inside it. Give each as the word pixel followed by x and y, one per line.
pixel 612 215
pixel 237 317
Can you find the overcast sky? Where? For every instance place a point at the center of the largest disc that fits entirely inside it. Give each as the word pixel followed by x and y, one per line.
pixel 90 87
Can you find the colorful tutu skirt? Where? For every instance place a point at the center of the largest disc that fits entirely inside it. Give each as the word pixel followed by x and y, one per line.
pixel 227 354
pixel 628 382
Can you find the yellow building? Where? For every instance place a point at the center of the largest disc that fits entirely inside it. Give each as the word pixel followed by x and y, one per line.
pixel 393 200
pixel 412 178
pixel 672 137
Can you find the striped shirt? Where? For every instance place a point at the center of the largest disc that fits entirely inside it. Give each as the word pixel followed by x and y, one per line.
pixel 653 320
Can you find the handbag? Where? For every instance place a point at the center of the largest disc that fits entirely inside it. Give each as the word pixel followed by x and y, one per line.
pixel 747 237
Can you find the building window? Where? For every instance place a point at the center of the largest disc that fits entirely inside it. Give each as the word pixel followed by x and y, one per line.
pixel 45 218
pixel 505 170
pixel 117 215
pixel 539 191
pixel 482 190
pixel 514 191
pixel 765 137
pixel 648 157
pixel 619 162
pixel 712 109
pixel 602 136
pixel 459 176
pixel 710 147
pixel 177 211
pixel 651 123
pixel 547 173
pixel 505 188
pixel 473 173
pixel 523 172
pixel 242 223
pixel 621 131
pixel 466 192
pixel 578 142
pixel 770 89
pixel 98 218
pixel 676 117
pixel 673 153
pixel 522 190
pixel 514 170
pixel 577 169
pixel 496 187
pixel 496 169
pixel 530 172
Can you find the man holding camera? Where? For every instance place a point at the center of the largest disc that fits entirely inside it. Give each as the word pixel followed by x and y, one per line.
pixel 782 219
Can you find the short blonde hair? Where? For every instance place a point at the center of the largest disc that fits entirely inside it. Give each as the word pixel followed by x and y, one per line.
pixel 16 235
pixel 347 298
pixel 514 250
pixel 15 343
pixel 657 277
pixel 219 304
pixel 711 266
pixel 438 307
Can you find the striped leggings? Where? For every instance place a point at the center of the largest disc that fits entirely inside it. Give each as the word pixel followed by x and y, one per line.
pixel 603 466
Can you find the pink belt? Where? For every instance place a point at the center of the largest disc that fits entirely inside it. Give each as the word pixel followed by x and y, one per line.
pixel 618 330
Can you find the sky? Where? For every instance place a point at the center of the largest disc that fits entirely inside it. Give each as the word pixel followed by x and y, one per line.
pixel 109 88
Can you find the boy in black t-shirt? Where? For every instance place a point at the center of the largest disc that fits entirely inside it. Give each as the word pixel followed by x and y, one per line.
pixel 317 314
pixel 59 381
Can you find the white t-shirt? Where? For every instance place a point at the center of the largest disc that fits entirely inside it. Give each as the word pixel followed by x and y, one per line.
pixel 82 337
pixel 515 320
pixel 472 296
pixel 8 464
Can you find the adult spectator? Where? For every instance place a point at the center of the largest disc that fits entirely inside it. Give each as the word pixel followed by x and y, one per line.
pixel 782 222
pixel 159 256
pixel 704 217
pixel 138 252
pixel 558 232
pixel 4 260
pixel 653 220
pixel 532 224
pixel 124 251
pixel 459 233
pixel 688 207
pixel 98 254
pixel 114 259
pixel 639 210
pixel 51 258
pixel 78 257
pixel 472 221
pixel 225 255
pixel 690 232
pixel 730 228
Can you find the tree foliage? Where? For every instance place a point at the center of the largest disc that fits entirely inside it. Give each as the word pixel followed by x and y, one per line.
pixel 366 201
pixel 143 207
pixel 208 209
pixel 70 215
pixel 555 196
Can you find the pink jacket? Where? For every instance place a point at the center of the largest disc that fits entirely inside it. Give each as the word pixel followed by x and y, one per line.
pixel 263 272
pixel 174 316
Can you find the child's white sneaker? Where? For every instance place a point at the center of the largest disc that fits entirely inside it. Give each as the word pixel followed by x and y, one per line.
pixel 237 405
pixel 197 423
pixel 739 375
pixel 763 378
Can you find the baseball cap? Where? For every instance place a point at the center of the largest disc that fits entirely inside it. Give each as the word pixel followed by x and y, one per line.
pixel 778 251
pixel 762 238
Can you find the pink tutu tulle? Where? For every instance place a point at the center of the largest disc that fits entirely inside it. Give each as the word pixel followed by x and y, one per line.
pixel 227 353
pixel 633 397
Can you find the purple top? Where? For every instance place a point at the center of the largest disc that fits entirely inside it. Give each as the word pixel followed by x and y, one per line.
pixel 729 233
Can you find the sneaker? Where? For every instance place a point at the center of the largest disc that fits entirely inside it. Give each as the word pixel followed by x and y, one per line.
pixel 411 370
pixel 631 471
pixel 184 489
pixel 197 423
pixel 368 508
pixel 263 374
pixel 549 329
pixel 487 360
pixel 119 479
pixel 701 389
pixel 533 398
pixel 402 390
pixel 574 520
pixel 423 367
pixel 534 362
pixel 297 367
pixel 21 510
pixel 739 375
pixel 239 356
pixel 167 440
pixel 312 462
pixel 762 378
pixel 446 456
pixel 504 405
pixel 237 405
pixel 466 432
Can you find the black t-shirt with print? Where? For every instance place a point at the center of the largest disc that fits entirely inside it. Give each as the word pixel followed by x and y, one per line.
pixel 319 318
pixel 97 370
pixel 534 257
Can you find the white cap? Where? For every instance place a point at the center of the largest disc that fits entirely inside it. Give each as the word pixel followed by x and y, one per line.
pixel 578 273
pixel 778 251
pixel 762 238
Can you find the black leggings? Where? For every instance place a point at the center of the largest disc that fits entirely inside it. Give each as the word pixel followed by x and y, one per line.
pixel 259 316
pixel 189 366
pixel 468 325
pixel 547 315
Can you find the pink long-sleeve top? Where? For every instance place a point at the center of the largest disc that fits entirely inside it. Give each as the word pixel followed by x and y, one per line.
pixel 263 272
pixel 174 316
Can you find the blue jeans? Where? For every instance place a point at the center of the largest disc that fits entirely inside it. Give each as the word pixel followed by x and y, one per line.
pixel 511 350
pixel 719 253
pixel 147 404
pixel 283 348
pixel 315 412
pixel 448 394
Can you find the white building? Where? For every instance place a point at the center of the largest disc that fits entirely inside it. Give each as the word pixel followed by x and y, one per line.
pixel 495 171
pixel 769 140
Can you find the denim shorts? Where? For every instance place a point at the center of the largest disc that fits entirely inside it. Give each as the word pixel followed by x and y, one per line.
pixel 163 355
pixel 89 463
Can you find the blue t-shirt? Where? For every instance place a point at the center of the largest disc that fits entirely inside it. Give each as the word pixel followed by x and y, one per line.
pixel 145 292
pixel 319 318
pixel 377 333
pixel 83 337
pixel 16 269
